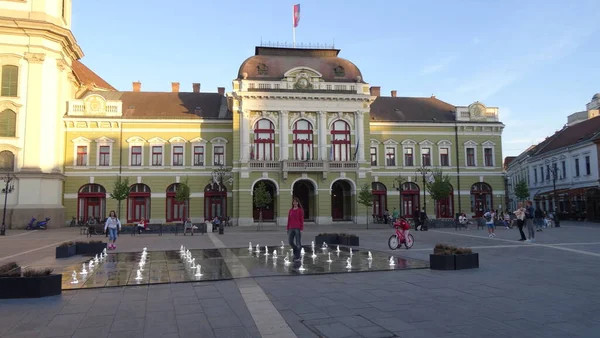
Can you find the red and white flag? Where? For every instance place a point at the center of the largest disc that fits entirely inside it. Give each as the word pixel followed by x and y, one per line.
pixel 296 15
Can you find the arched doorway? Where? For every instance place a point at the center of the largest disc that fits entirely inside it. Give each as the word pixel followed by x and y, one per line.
pixel 481 198
pixel 341 201
pixel 410 199
pixel 444 208
pixel 138 203
pixel 379 192
pixel 268 212
pixel 91 202
pixel 305 191
pixel 215 201
pixel 176 210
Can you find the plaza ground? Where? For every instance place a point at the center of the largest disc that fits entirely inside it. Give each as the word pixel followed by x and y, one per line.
pixel 545 289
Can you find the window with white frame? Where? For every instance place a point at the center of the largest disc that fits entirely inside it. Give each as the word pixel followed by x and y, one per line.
pixel 373 153
pixel 303 140
pixel 136 151
pixel 81 148
pixel 542 174
pixel 340 141
pixel 426 157
pixel 563 173
pixel 470 157
pixel 488 157
pixel 444 157
pixel 588 168
pixel 104 151
pixel 82 156
pixel 535 177
pixel 198 155
pixel 577 167
pixel 409 160
pixel 157 155
pixel 264 141
pixel 218 151
pixel 390 156
pixel 178 153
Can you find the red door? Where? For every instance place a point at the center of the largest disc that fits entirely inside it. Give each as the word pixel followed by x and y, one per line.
pixel 479 205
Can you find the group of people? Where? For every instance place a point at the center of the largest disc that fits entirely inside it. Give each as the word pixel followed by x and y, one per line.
pixel 526 216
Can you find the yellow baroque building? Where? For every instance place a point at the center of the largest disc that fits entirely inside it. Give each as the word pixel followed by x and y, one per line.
pixel 303 121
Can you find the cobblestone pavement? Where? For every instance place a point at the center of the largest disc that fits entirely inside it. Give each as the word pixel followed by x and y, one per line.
pixel 544 289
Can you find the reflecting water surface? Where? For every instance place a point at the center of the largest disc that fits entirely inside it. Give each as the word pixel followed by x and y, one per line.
pixel 119 269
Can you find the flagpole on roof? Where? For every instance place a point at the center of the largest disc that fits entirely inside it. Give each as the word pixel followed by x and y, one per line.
pixel 295 20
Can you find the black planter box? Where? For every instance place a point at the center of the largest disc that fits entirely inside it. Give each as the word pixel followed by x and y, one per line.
pixel 441 262
pixel 30 287
pixel 90 248
pixel 66 251
pixel 329 239
pixel 352 241
pixel 466 261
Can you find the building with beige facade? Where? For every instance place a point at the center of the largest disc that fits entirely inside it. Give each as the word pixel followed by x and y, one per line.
pixel 302 120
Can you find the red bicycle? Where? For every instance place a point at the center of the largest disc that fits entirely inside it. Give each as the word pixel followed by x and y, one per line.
pixel 402 235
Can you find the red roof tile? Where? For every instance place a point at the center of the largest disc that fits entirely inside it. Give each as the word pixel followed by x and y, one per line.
pixel 89 78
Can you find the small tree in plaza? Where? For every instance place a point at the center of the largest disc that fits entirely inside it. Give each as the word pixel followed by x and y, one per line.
pixel 221 179
pixel 522 190
pixel 120 192
pixel 439 186
pixel 365 197
pixel 261 198
pixel 183 195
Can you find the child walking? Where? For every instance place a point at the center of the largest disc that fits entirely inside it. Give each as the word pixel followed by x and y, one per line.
pixel 489 221
pixel 113 225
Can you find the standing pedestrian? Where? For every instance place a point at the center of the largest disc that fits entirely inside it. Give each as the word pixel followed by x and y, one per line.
pixel 520 214
pixel 113 226
pixel 529 215
pixel 295 226
pixel 489 217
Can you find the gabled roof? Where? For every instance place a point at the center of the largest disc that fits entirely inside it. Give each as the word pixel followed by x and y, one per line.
pixel 169 105
pixel 90 79
pixel 408 109
pixel 571 135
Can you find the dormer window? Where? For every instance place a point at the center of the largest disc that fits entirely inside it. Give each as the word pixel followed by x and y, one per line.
pixel 339 71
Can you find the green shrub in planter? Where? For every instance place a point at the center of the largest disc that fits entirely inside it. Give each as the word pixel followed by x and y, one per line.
pixel 11 269
pixel 66 249
pixel 33 284
pixel 447 257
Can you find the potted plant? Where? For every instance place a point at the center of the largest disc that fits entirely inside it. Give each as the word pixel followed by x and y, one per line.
pixel 66 249
pixel 31 283
pixel 90 248
pixel 327 238
pixel 447 257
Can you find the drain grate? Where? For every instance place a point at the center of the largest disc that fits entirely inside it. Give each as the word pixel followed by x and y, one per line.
pixel 350 326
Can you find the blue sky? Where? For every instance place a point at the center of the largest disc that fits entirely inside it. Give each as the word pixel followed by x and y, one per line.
pixel 536 60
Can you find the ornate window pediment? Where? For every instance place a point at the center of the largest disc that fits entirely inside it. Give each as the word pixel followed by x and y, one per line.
pixel 488 143
pixel 375 142
pixel 135 139
pixel 157 140
pixel 443 143
pixel 177 139
pixel 409 142
pixel 219 140
pixel 104 139
pixel 426 143
pixel 470 143
pixel 81 140
pixel 391 142
pixel 198 140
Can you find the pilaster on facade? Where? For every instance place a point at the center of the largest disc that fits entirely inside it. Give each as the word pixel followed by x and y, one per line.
pixel 323 129
pixel 283 135
pixel 360 129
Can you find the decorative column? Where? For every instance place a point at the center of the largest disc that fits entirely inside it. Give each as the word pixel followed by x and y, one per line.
pixel 31 149
pixel 323 130
pixel 245 135
pixel 360 134
pixel 283 135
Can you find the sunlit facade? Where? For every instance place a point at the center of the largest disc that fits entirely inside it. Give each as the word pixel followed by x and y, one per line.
pixel 303 121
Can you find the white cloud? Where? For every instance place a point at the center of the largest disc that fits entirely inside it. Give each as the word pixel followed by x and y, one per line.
pixel 439 66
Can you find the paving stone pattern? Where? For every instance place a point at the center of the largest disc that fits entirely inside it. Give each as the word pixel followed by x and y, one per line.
pixel 545 289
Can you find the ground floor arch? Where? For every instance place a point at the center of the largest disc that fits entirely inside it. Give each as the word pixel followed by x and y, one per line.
pixel 444 208
pixel 306 192
pixel 175 211
pixel 411 199
pixel 482 198
pixel 215 201
pixel 268 212
pixel 138 202
pixel 379 192
pixel 342 206
pixel 91 203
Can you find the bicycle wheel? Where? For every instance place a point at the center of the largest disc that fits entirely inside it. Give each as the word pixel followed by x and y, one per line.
pixel 409 241
pixel 393 242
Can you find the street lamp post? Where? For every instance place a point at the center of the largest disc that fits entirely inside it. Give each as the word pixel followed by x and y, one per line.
pixel 9 187
pixel 554 172
pixel 424 171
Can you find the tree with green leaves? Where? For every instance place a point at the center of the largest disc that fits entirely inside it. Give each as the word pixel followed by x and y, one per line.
pixel 183 195
pixel 399 184
pixel 261 198
pixel 439 187
pixel 522 190
pixel 221 179
pixel 120 192
pixel 365 197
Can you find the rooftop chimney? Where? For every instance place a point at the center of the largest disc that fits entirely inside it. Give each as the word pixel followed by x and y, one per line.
pixel 196 87
pixel 175 87
pixel 137 86
pixel 221 90
pixel 394 93
pixel 375 91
